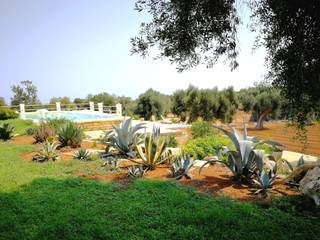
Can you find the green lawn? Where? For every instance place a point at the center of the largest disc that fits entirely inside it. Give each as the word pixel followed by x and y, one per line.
pixel 45 201
pixel 19 125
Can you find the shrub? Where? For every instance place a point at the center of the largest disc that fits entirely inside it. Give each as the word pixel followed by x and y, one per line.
pixel 6 131
pixel 71 135
pixel 30 131
pixel 200 148
pixel 82 154
pixel 6 113
pixel 201 129
pixel 172 141
pixel 43 132
pixel 56 123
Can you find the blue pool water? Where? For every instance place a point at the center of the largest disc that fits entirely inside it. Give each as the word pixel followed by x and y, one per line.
pixel 75 116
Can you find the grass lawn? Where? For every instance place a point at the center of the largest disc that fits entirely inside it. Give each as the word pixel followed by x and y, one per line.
pixel 19 125
pixel 46 201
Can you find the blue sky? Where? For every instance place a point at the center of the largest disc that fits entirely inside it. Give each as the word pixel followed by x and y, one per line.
pixel 76 47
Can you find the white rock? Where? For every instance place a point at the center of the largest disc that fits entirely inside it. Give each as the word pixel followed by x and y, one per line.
pixel 310 185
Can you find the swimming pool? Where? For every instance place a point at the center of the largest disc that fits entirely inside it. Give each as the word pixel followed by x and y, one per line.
pixel 70 115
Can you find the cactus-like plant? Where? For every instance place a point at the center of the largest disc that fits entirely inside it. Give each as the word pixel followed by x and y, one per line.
pixel 154 151
pixel 245 160
pixel 124 137
pixel 71 135
pixel 136 171
pixel 112 163
pixel 6 131
pixel 82 154
pixel 42 133
pixel 265 179
pixel 48 152
pixel 181 166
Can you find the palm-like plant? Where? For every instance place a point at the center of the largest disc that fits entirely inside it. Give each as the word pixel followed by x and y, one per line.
pixel 245 160
pixel 154 151
pixel 48 152
pixel 181 166
pixel 124 137
pixel 6 131
pixel 71 135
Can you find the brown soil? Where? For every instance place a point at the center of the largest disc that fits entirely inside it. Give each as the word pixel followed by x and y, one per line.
pixel 22 140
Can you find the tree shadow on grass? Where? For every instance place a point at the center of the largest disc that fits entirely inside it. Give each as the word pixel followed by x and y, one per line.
pixel 76 208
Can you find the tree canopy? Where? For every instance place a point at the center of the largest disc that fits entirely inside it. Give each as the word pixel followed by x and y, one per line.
pixel 192 32
pixel 26 93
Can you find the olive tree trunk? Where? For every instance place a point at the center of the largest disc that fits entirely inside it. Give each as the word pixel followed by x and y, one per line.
pixel 262 117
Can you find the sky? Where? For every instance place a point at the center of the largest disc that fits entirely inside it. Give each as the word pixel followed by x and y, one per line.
pixel 76 47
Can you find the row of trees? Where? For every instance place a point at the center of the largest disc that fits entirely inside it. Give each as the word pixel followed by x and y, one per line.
pixel 263 101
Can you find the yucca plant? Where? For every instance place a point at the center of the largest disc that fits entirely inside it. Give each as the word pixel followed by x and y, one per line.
pixel 42 133
pixel 124 137
pixel 71 135
pixel 6 131
pixel 181 166
pixel 82 154
pixel 136 171
pixel 245 160
pixel 154 150
pixel 48 152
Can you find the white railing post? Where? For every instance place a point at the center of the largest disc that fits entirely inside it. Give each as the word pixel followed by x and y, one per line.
pixel 119 109
pixel 100 107
pixel 58 106
pixel 22 108
pixel 91 104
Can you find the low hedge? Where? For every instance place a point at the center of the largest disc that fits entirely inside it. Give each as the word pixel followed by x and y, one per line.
pixel 7 113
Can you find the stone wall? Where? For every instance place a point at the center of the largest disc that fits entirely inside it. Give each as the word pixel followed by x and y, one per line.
pixel 99 125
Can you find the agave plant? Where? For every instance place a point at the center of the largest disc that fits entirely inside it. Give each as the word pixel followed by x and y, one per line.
pixel 47 153
pixel 82 154
pixel 6 131
pixel 135 171
pixel 71 135
pixel 112 163
pixel 154 151
pixel 264 181
pixel 124 137
pixel 290 167
pixel 245 161
pixel 181 166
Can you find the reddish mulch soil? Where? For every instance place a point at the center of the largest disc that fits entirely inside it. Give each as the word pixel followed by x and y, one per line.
pixel 22 140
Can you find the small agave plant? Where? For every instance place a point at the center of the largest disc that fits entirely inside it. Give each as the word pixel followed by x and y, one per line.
pixel 181 166
pixel 6 131
pixel 124 137
pixel 82 154
pixel 245 161
pixel 111 163
pixel 290 167
pixel 47 153
pixel 265 179
pixel 154 151
pixel 136 171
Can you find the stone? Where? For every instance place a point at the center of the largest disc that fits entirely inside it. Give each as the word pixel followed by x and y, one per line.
pixel 310 185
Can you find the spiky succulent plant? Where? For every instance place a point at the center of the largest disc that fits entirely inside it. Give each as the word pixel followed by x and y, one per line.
pixel 111 162
pixel 70 134
pixel 290 167
pixel 181 166
pixel 82 154
pixel 136 171
pixel 154 151
pixel 6 131
pixel 265 179
pixel 47 152
pixel 124 137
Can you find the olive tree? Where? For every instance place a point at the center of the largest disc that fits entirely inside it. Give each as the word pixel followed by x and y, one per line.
pixel 25 92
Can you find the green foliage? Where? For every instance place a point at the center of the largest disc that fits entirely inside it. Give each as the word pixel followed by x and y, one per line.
pixel 82 154
pixel 2 102
pixel 19 125
pixel 172 141
pixel 136 171
pixel 124 137
pixel 201 129
pixel 201 148
pixel 48 152
pixel 71 135
pixel 154 151
pixel 56 123
pixel 43 132
pixel 189 32
pixel 30 131
pixel 7 113
pixel 150 103
pixel 181 166
pixel 25 93
pixel 6 131
pixel 105 98
pixel 62 100
pixel 290 33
